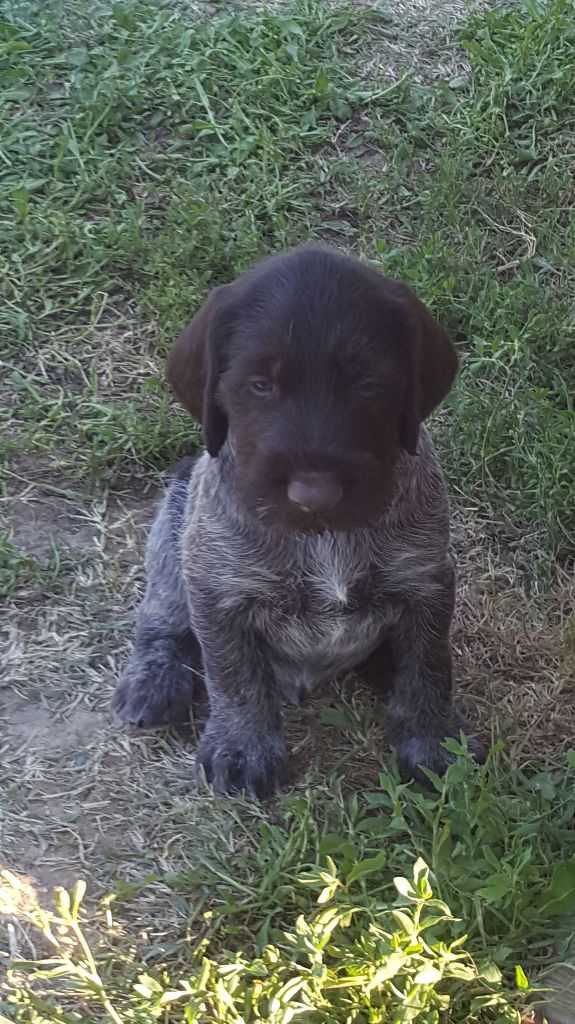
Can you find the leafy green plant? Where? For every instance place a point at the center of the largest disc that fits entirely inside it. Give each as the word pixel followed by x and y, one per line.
pixel 499 844
pixel 341 962
pixel 318 919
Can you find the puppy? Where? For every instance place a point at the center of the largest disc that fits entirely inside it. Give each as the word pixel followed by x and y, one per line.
pixel 312 537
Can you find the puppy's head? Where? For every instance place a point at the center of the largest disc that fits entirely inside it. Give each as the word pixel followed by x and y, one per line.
pixel 321 370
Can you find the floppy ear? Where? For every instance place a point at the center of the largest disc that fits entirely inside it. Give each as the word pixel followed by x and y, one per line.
pixel 193 370
pixel 432 366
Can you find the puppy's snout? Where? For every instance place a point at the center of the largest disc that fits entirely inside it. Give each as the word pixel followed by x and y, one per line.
pixel 314 492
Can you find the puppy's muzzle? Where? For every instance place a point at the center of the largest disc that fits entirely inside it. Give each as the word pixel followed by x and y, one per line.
pixel 315 492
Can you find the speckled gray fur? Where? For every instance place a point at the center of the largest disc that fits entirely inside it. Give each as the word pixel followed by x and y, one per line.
pixel 265 615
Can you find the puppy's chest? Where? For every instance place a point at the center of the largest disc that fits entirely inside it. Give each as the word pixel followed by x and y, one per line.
pixel 327 609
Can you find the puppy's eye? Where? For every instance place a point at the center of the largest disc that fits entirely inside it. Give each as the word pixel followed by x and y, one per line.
pixel 261 386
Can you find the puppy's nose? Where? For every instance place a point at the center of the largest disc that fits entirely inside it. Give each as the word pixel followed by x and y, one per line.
pixel 314 492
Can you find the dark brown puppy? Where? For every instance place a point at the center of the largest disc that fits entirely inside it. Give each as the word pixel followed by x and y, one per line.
pixel 313 536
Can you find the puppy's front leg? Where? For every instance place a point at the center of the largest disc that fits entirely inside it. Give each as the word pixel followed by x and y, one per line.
pixel 242 748
pixel 421 710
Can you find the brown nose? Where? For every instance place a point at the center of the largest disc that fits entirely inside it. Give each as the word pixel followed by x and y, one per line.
pixel 314 492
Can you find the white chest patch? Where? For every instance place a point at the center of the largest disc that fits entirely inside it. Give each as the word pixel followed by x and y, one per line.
pixel 328 572
pixel 313 624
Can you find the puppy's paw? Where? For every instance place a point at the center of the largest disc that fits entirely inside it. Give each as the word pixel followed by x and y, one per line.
pixel 422 750
pixel 250 764
pixel 152 694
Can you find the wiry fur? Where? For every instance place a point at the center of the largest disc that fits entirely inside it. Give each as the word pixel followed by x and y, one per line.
pixel 265 614
pixel 289 611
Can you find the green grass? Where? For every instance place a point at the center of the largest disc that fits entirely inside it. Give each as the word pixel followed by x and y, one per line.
pixel 17 566
pixel 145 157
pixel 317 921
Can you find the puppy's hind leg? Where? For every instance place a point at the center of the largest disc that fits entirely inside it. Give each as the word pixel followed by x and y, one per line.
pixel 157 684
